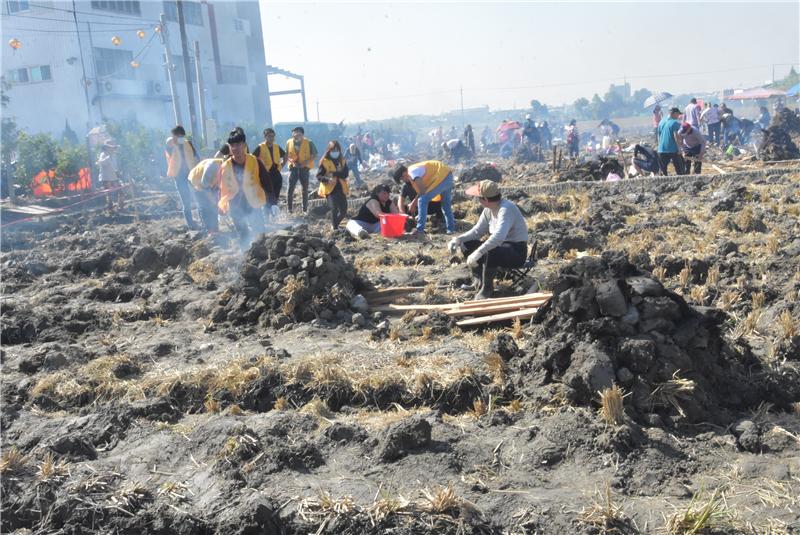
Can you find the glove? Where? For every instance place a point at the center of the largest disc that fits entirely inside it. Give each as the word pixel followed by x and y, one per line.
pixel 453 245
pixel 472 260
pixel 275 210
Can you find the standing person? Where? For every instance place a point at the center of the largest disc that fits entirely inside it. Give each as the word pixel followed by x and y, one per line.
pixel 243 184
pixel 573 139
pixel 693 147
pixel 507 244
pixel 691 114
pixel 367 220
pixel 711 117
pixel 429 179
pixel 301 153
pixel 668 142
pixel 529 131
pixel 657 115
pixel 109 174
pixel 353 157
pixel 205 178
pixel 273 157
pixel 181 157
pixel 469 139
pixel 332 176
pixel 545 135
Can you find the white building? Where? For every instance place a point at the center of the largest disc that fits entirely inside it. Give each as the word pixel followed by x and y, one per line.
pixel 117 45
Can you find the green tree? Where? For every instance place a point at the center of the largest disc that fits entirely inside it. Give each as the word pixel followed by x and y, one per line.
pixel 36 153
pixel 538 109
pixel 141 150
pixel 581 108
pixel 638 98
pixel 69 160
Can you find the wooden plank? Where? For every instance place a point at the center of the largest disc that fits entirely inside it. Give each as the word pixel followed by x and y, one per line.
pixel 720 171
pixel 390 291
pixel 494 309
pixel 479 303
pixel 525 313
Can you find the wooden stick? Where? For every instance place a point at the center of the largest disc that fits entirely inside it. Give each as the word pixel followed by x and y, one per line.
pixel 720 171
pixel 479 303
pixel 521 314
pixel 495 308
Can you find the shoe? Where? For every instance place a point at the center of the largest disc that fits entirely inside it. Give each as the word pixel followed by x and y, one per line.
pixel 487 286
pixel 363 234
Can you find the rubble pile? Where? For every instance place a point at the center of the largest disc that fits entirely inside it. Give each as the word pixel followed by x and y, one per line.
pixel 525 153
pixel 289 276
pixel 592 170
pixel 612 324
pixel 778 143
pixel 481 171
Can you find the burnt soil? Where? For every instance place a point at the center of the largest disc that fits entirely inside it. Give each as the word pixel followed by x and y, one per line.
pixel 158 381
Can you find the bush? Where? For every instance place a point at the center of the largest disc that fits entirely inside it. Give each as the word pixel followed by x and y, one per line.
pixel 71 158
pixel 141 150
pixel 36 153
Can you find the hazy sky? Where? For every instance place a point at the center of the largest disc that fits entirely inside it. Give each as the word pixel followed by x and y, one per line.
pixel 380 59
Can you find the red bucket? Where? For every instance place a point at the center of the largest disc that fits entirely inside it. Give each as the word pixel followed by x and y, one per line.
pixel 393 225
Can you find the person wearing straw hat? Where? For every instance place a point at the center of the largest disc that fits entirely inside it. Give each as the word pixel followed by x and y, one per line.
pixel 507 244
pixel 109 174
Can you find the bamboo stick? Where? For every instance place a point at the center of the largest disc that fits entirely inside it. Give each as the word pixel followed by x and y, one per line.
pixel 521 314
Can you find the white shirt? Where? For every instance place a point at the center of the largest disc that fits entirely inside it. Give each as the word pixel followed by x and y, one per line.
pixel 710 115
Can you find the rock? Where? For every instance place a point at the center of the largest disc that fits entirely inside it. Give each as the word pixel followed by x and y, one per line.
pixel 358 319
pixel 746 432
pixel 637 353
pixel 624 376
pixel 253 515
pixel 659 307
pixel 145 258
pixel 359 304
pixel 405 437
pixel 505 346
pixel 590 371
pixel 727 247
pixel 610 299
pixel 174 253
pixel 645 286
pixel 74 447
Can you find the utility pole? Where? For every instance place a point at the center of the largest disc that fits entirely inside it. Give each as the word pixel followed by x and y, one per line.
pixel 186 68
pixel 85 96
pixel 176 110
pixel 317 111
pixel 463 122
pixel 200 93
pixel 303 94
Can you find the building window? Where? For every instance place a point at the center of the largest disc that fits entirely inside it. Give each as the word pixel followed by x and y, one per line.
pixel 40 73
pixel 114 63
pixel 240 26
pixel 234 74
pixel 191 12
pixel 128 7
pixel 15 6
pixel 17 76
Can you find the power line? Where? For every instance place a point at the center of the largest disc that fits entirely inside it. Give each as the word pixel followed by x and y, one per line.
pixel 105 30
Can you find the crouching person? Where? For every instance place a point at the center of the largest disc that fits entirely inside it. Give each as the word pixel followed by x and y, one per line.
pixel 205 179
pixel 507 244
pixel 242 189
pixel 367 220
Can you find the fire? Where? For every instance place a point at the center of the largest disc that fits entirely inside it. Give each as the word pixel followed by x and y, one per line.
pixel 46 183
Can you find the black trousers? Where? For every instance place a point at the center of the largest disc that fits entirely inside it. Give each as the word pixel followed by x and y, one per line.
pixel 506 255
pixel 295 174
pixel 337 202
pixel 677 160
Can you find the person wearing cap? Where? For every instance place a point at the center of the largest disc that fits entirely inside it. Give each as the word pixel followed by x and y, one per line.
pixel 181 158
pixel 507 244
pixel 205 179
pixel 668 142
pixel 301 153
pixel 244 183
pixel 429 179
pixel 273 157
pixel 693 146
pixel 367 220
pixel 353 157
pixel 109 174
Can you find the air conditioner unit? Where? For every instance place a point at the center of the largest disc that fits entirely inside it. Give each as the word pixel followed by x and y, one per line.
pixel 155 87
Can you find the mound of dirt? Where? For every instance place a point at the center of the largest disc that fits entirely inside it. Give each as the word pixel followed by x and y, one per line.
pixel 609 324
pixel 482 171
pixel 527 154
pixel 591 170
pixel 290 276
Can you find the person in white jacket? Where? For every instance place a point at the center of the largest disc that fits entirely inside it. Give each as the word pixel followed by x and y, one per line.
pixel 109 174
pixel 507 244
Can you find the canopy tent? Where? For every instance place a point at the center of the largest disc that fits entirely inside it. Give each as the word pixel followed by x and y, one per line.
pixel 793 91
pixel 759 93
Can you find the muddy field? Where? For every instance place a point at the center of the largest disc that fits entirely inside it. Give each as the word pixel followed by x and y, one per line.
pixel 158 381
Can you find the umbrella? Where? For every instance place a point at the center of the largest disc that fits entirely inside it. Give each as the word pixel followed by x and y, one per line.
pixel 511 125
pixel 792 91
pixel 657 98
pixel 758 93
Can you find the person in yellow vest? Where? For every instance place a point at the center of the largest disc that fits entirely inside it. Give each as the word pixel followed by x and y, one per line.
pixel 429 179
pixel 205 178
pixel 407 204
pixel 181 158
pixel 273 157
pixel 301 154
pixel 244 182
pixel 333 185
